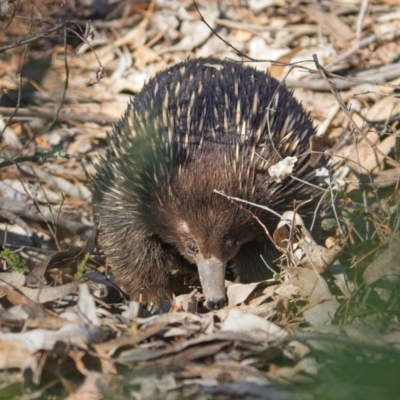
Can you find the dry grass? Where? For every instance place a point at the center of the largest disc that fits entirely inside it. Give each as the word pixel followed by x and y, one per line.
pixel 67 71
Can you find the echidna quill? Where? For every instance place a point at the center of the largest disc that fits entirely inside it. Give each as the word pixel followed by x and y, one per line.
pixel 200 125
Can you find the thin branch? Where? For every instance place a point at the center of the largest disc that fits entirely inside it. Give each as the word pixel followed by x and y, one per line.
pixel 325 75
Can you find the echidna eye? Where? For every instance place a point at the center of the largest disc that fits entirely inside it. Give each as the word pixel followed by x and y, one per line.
pixel 192 248
pixel 230 242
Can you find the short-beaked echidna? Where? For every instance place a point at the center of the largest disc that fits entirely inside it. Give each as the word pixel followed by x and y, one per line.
pixel 200 125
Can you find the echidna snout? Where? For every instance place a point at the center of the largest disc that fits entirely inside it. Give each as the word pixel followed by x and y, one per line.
pixel 211 271
pixel 209 247
pixel 201 125
pixel 212 279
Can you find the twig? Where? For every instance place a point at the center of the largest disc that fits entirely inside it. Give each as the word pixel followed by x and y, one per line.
pixel 65 115
pixel 41 213
pixel 360 44
pixel 33 37
pixel 335 93
pixel 361 16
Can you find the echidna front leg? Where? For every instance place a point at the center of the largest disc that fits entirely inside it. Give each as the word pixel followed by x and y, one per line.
pixel 141 265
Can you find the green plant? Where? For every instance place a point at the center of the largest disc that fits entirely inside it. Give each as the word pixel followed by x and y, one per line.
pixel 15 262
pixel 81 267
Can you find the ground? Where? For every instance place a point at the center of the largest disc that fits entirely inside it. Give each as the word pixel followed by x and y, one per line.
pixel 328 331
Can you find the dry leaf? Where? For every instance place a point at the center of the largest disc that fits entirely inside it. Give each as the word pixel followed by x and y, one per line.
pixel 249 323
pixel 321 305
pixel 384 262
pixel 238 292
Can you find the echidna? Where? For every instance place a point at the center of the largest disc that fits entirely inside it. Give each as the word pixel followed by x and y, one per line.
pixel 200 125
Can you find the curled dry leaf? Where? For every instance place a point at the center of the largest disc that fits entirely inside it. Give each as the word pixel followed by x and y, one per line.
pixel 283 235
pixel 308 253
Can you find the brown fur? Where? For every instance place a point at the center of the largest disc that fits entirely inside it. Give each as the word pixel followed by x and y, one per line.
pixel 194 128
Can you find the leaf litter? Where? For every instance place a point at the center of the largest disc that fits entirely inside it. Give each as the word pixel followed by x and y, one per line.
pixel 326 326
